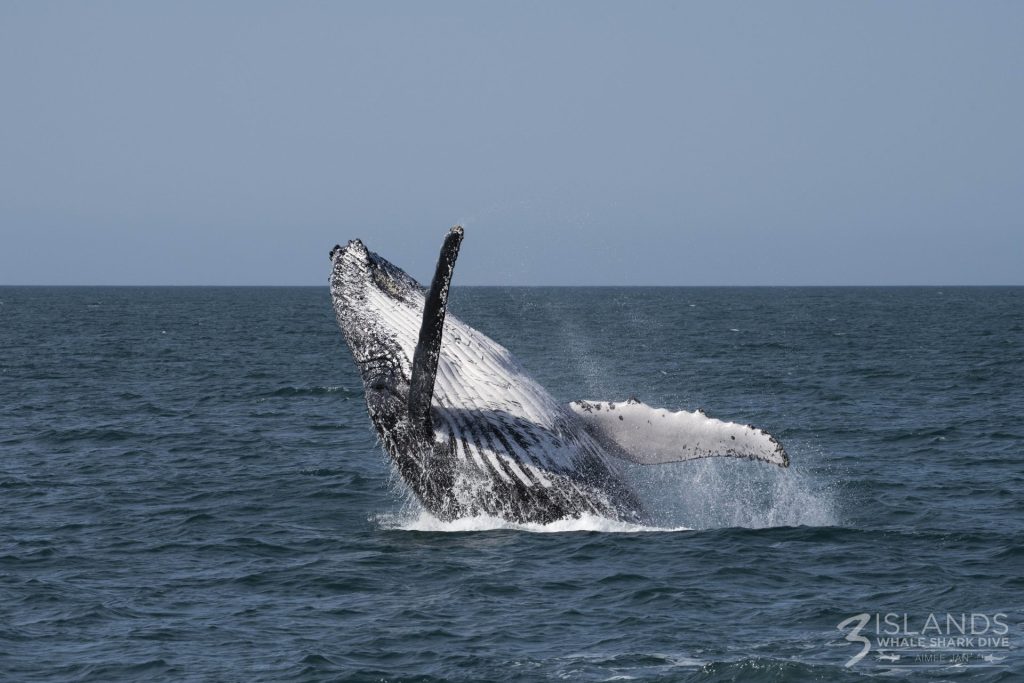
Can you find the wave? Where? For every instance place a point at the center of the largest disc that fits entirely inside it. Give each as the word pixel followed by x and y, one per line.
pixel 311 391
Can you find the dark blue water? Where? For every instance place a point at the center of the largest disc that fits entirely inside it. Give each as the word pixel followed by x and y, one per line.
pixel 190 489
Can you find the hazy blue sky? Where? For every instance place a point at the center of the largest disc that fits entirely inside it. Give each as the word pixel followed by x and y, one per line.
pixel 578 142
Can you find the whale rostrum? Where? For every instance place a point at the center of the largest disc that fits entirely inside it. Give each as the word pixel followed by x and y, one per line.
pixel 471 433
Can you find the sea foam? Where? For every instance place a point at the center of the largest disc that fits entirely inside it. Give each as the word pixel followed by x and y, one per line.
pixel 421 520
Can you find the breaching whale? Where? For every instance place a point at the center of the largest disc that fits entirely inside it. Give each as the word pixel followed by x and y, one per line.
pixel 471 433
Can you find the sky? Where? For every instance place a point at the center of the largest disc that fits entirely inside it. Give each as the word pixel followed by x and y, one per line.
pixel 579 143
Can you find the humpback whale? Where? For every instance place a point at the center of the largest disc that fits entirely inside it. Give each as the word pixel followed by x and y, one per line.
pixel 471 433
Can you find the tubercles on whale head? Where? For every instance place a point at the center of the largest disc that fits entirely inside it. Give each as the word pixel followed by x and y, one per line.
pixel 357 247
pixel 354 252
pixel 354 247
pixel 355 268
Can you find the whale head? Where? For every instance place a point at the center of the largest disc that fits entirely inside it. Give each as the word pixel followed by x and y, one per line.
pixel 357 270
pixel 367 292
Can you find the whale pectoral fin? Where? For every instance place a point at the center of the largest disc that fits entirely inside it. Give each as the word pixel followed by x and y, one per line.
pixel 637 432
pixel 428 348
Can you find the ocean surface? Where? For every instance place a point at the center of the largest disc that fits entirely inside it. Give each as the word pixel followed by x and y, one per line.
pixel 190 489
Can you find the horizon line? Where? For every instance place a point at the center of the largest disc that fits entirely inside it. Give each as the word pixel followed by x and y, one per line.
pixel 541 286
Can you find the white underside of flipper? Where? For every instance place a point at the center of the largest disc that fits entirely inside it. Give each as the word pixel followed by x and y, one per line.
pixel 652 436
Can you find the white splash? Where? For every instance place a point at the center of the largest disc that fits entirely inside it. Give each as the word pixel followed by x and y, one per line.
pixel 421 520
pixel 720 493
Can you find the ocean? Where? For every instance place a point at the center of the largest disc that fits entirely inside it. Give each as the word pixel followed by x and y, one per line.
pixel 191 489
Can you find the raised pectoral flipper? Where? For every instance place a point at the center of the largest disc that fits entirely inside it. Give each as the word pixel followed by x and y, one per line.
pixel 428 348
pixel 646 435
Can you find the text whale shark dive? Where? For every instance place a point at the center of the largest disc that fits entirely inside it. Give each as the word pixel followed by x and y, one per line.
pixel 472 434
